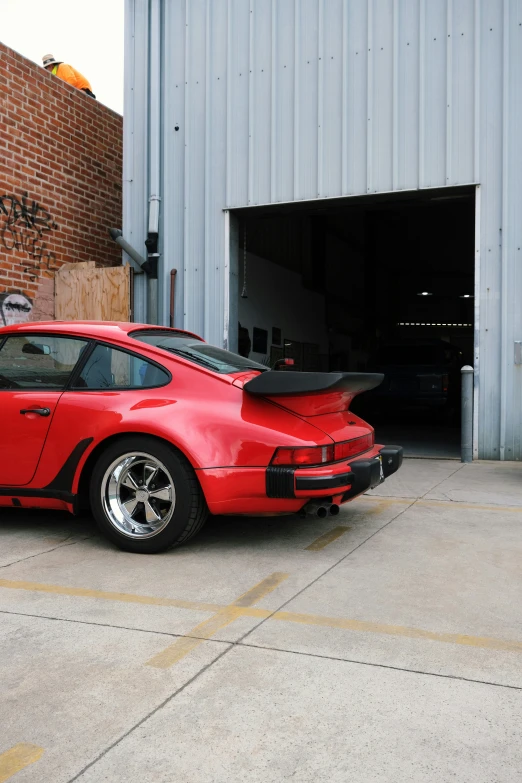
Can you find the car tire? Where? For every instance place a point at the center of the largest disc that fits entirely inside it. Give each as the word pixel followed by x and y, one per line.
pixel 145 496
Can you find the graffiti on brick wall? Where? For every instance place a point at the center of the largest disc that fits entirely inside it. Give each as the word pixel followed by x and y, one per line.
pixel 24 226
pixel 15 308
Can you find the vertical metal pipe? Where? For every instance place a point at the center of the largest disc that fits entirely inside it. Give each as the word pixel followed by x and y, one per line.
pixel 152 300
pixel 467 414
pixel 172 315
pixel 154 157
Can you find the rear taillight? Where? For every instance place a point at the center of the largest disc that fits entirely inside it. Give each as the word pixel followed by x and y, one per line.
pixel 319 455
pixel 445 383
pixel 350 448
pixel 315 455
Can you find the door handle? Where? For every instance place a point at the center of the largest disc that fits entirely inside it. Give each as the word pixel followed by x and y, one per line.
pixel 39 411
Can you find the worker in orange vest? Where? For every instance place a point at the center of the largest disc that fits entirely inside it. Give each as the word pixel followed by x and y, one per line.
pixel 67 73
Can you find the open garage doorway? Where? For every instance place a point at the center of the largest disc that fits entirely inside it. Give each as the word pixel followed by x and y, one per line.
pixel 377 283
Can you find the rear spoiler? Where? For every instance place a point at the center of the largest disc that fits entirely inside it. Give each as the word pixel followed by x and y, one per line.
pixel 287 383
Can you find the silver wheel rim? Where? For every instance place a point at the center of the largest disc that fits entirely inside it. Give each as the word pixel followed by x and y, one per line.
pixel 138 495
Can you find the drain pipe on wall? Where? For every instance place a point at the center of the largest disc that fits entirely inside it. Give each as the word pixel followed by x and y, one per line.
pixel 152 241
pixel 139 263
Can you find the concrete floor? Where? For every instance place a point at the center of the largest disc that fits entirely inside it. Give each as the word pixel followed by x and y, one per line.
pixel 427 442
pixel 381 645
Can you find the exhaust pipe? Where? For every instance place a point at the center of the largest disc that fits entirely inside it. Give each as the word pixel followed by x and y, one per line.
pixel 317 509
pixel 334 510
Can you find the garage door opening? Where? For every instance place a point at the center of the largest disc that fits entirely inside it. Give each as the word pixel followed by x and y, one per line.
pixel 372 284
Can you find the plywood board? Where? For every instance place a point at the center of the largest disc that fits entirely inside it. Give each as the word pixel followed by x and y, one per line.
pixel 84 291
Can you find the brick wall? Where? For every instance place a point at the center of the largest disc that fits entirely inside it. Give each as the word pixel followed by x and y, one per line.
pixel 60 184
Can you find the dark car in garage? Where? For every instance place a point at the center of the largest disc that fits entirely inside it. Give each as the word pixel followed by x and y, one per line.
pixel 421 375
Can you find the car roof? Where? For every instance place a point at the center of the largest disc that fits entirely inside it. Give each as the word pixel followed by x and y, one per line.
pixel 93 329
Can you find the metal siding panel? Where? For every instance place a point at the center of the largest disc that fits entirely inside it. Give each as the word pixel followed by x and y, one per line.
pixel 402 86
pixel 449 90
pixel 355 96
pixel 307 100
pixel 331 114
pixel 407 109
pixel 434 88
pixel 173 188
pixel 261 101
pixel 381 126
pixel 215 171
pixel 283 100
pixel 237 86
pixel 462 89
pixel 511 379
pixel 513 219
pixel 491 220
pixel 195 166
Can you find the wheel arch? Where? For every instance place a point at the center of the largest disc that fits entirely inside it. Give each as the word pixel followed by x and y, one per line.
pixel 85 471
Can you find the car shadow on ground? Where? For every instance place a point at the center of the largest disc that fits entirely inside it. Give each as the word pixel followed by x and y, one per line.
pixel 283 532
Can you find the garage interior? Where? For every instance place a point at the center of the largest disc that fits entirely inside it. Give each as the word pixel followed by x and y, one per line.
pixel 377 283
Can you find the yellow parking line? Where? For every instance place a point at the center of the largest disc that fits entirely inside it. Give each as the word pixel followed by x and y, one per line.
pixel 384 501
pixel 398 630
pixel 17 758
pixel 127 598
pixel 208 628
pixel 242 606
pixel 327 538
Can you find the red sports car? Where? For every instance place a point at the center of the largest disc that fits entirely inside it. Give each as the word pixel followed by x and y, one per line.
pixel 153 428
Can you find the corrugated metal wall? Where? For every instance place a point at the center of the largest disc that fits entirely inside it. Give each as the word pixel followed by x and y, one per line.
pixel 284 100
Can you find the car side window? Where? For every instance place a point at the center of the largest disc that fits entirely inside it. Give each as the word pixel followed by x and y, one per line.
pixel 39 361
pixel 110 368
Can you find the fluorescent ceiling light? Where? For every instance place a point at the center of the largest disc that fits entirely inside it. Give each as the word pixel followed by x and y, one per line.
pixel 425 293
pixel 438 325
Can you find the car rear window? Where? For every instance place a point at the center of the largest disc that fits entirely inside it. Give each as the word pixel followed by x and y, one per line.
pixel 196 351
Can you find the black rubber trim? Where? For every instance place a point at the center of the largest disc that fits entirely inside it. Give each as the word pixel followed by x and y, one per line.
pixel 280 482
pixel 80 364
pixel 366 474
pixel 60 487
pixel 63 480
pixel 323 482
pixel 392 457
pixel 19 492
pixel 280 383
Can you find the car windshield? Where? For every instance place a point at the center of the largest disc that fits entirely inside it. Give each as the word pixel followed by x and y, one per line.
pixel 206 355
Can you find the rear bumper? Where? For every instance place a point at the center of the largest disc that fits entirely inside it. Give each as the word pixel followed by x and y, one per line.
pixel 369 473
pixel 275 490
pixel 346 478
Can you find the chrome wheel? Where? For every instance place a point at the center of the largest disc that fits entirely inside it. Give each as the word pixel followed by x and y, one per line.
pixel 138 495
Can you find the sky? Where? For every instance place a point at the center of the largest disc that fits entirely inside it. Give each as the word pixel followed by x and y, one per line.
pixel 86 35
